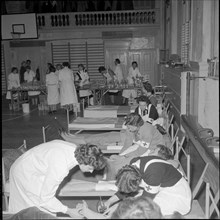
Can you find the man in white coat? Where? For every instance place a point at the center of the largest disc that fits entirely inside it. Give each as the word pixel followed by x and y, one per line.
pixel 36 175
pixel 68 95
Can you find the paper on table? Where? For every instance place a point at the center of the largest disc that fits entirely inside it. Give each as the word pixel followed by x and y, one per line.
pixel 114 147
pixel 106 186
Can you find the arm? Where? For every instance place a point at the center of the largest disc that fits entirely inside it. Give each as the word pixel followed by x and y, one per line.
pixel 112 200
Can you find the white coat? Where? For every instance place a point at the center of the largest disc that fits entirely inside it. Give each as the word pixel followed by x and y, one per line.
pixel 131 92
pixel 52 83
pixel 29 78
pixel 67 88
pixel 84 81
pixel 13 81
pixel 118 73
pixel 36 175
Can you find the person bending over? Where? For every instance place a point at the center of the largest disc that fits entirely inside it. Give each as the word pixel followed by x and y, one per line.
pixel 36 175
pixel 153 176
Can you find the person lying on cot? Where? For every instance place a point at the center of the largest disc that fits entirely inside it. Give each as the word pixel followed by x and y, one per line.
pixel 155 177
pixel 136 132
pixel 36 175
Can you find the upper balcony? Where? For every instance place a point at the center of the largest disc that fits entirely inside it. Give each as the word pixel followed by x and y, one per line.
pixel 98 19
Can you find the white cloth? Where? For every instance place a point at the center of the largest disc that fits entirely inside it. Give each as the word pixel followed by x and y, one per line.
pixel 36 175
pixel 52 83
pixel 118 73
pixel 84 81
pixel 29 78
pixel 13 81
pixel 132 73
pixel 67 88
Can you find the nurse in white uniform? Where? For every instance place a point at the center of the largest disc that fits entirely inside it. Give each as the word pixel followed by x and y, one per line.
pixel 36 175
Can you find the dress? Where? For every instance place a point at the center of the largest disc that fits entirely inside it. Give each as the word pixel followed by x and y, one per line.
pixel 67 88
pixel 52 83
pixel 132 73
pixel 13 81
pixel 36 175
pixel 29 78
pixel 83 77
pixel 164 184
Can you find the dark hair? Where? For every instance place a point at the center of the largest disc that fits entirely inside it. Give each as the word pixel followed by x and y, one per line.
pixel 66 64
pixel 52 68
pixel 164 152
pixel 147 86
pixel 117 61
pixel 137 208
pixel 134 62
pixel 28 61
pixel 134 119
pixel 128 179
pixel 143 98
pixel 90 154
pixel 13 69
pixel 28 67
pixel 101 68
pixel 58 65
pixel 81 66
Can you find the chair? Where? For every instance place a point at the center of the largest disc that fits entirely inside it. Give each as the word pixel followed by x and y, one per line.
pixel 179 147
pixel 5 183
pixel 211 196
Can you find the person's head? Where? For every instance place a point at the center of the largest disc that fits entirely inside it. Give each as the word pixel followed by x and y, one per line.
pixel 147 88
pixel 28 68
pixel 137 208
pixel 143 101
pixel 128 179
pixel 14 70
pixel 58 67
pixel 134 64
pixel 49 64
pixel 23 63
pixel 81 67
pixel 52 69
pixel 90 158
pixel 28 62
pixel 161 151
pixel 102 69
pixel 117 61
pixel 133 121
pixel 66 64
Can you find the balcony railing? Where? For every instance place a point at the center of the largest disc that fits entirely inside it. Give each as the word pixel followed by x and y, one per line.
pixel 91 19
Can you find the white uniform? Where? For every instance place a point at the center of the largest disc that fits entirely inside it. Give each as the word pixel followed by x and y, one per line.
pixel 13 81
pixel 29 78
pixel 84 81
pixel 67 88
pixel 132 73
pixel 36 175
pixel 118 73
pixel 52 83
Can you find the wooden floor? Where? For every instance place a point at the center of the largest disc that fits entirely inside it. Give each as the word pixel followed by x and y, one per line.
pixel 17 126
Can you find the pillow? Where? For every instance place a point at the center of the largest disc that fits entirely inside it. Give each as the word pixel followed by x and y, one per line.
pixel 10 155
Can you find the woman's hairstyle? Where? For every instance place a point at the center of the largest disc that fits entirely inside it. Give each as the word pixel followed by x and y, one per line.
pixel 137 208
pixel 81 65
pixel 101 68
pixel 128 179
pixel 147 86
pixel 134 62
pixel 52 68
pixel 117 61
pixel 13 69
pixel 134 119
pixel 66 64
pixel 164 152
pixel 90 154
pixel 59 65
pixel 143 98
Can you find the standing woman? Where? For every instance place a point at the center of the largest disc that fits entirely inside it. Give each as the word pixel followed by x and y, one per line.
pixel 68 95
pixel 132 75
pixel 52 83
pixel 83 77
pixel 22 71
pixel 13 82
